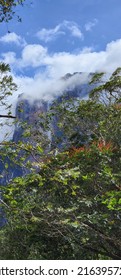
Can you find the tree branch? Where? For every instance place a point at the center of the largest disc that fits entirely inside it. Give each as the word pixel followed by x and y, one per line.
pixel 7 116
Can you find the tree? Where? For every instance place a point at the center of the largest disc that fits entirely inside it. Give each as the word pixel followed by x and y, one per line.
pixel 72 200
pixel 65 203
pixel 7 88
pixel 7 9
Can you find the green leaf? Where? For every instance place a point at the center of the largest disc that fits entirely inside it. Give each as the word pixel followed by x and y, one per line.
pixel 6 165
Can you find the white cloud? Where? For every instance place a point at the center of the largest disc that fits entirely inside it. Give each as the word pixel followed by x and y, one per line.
pixel 73 28
pixel 33 55
pixel 9 57
pixel 89 25
pixel 41 87
pixel 60 63
pixel 47 84
pixel 50 67
pixel 13 38
pixel 47 35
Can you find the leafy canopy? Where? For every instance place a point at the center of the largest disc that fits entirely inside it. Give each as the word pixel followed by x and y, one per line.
pixel 69 205
pixel 7 9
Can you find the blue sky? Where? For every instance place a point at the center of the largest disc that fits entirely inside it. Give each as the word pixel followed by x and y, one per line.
pixel 60 36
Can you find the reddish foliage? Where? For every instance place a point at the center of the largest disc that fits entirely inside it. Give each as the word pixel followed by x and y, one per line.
pixel 74 151
pixel 102 146
pixel 117 106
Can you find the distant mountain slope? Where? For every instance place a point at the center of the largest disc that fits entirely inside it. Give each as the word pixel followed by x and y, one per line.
pixel 28 114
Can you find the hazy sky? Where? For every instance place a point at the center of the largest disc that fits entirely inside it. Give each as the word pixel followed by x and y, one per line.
pixel 61 36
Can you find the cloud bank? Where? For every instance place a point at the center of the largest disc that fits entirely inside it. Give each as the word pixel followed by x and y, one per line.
pixel 40 87
pixel 13 38
pixel 47 68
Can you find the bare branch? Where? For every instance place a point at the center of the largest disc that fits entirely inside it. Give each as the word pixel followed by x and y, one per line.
pixel 7 116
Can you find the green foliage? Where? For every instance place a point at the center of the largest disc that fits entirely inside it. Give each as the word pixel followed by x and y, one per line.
pixel 7 87
pixel 7 9
pixel 70 206
pixel 107 92
pixel 113 200
pixel 66 202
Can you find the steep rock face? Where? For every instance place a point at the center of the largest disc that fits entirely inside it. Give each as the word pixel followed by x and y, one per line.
pixel 28 115
pixel 30 112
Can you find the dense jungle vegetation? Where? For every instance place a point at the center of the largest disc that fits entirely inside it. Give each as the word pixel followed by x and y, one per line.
pixel 68 206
